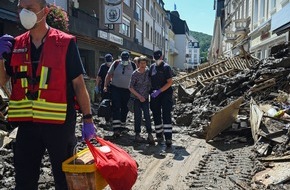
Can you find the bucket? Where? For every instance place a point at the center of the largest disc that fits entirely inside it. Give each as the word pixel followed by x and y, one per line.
pixel 82 176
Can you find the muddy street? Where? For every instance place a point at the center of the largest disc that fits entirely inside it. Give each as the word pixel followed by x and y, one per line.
pixel 230 131
pixel 191 163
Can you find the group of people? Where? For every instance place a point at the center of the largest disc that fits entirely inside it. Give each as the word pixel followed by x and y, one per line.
pixel 47 78
pixel 149 87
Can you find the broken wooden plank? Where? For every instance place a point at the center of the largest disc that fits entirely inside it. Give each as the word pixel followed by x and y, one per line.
pixel 275 175
pixel 255 118
pixel 274 158
pixel 263 85
pixel 223 119
pixel 262 148
pixel 240 183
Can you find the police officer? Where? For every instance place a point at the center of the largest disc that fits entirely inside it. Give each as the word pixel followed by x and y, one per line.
pixel 161 98
pixel 102 75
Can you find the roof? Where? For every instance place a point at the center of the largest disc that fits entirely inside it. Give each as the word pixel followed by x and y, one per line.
pixel 179 26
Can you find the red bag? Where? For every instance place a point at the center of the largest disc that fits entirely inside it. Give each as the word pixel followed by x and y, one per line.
pixel 116 166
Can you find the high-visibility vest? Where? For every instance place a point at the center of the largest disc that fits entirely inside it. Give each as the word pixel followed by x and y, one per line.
pixel 42 98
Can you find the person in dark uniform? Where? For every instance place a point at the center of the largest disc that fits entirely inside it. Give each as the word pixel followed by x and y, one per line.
pixel 100 81
pixel 161 98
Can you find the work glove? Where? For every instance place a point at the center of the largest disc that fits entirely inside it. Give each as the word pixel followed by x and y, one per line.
pixel 155 93
pixel 97 89
pixel 5 44
pixel 88 131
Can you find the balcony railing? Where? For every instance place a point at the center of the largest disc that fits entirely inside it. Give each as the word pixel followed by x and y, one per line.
pixel 83 23
pixel 242 26
pixel 231 36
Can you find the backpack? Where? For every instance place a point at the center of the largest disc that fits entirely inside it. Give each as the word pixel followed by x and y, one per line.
pixel 104 109
pixel 116 63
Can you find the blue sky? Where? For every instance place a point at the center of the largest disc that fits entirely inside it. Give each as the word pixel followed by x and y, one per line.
pixel 198 14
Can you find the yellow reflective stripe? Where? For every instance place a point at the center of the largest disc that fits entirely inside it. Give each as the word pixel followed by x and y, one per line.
pixel 58 107
pixel 20 113
pixel 41 114
pixel 39 94
pixel 37 110
pixel 20 104
pixel 43 78
pixel 24 83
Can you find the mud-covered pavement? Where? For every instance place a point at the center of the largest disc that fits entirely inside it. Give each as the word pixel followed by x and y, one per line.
pixel 191 163
pixel 228 161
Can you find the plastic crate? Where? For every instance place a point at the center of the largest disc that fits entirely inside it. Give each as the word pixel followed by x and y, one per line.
pixel 82 176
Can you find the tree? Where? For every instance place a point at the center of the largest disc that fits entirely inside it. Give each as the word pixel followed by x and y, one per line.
pixel 204 43
pixel 57 18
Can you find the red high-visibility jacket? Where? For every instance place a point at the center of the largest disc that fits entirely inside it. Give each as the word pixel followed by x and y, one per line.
pixel 42 98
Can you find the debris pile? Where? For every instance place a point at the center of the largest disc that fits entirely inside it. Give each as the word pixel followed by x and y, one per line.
pixel 251 104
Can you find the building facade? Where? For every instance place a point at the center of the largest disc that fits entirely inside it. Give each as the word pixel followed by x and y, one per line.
pixel 144 26
pixel 254 26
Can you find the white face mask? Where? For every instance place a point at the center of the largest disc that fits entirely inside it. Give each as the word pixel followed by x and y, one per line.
pixel 125 63
pixel 158 62
pixel 108 63
pixel 28 18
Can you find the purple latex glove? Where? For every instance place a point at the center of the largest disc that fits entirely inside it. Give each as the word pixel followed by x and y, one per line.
pixel 88 131
pixel 155 93
pixel 5 44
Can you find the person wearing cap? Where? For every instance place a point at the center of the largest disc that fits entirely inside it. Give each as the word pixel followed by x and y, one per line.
pixel 47 75
pixel 103 70
pixel 161 98
pixel 120 74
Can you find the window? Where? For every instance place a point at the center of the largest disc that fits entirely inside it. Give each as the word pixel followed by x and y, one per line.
pixel 151 34
pixel 125 27
pixel 190 44
pixel 255 13
pixel 139 35
pixel 262 9
pixel 152 12
pixel 259 54
pixel 272 5
pixel 157 17
pixel 127 2
pixel 147 30
pixel 147 5
pixel 247 8
pixel 139 11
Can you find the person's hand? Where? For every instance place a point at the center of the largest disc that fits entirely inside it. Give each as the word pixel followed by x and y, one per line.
pixel 155 93
pixel 5 44
pixel 105 89
pixel 88 131
pixel 141 99
pixel 97 89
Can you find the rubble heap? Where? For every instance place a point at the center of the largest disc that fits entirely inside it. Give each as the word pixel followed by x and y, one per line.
pixel 252 104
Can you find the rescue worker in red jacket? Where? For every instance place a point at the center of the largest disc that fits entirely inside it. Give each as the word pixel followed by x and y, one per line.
pixel 46 74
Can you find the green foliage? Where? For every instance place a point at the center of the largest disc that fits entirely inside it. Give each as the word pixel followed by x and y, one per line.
pixel 204 43
pixel 57 18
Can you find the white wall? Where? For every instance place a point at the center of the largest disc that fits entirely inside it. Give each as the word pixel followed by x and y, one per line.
pixel 180 44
